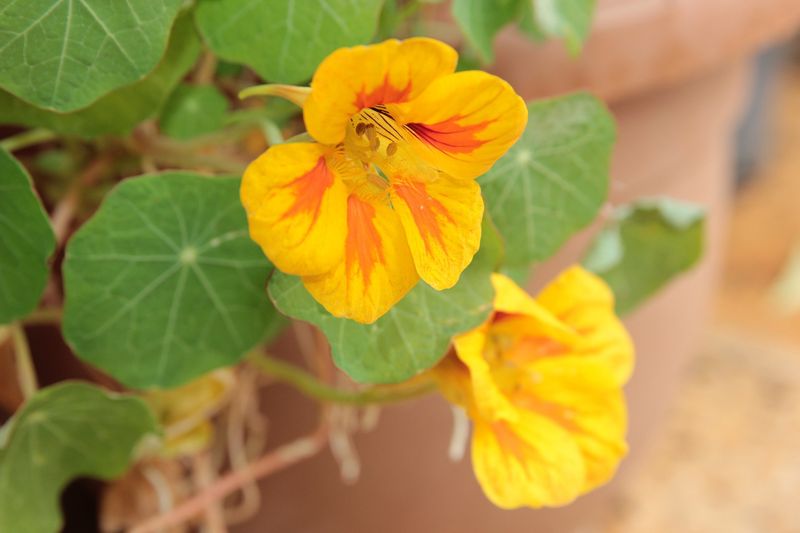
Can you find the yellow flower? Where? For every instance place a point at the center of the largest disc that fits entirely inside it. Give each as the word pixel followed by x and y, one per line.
pixel 542 381
pixel 387 193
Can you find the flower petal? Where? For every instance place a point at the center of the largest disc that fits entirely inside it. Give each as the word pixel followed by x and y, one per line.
pixel 584 302
pixel 442 221
pixel 530 463
pixel 296 203
pixel 376 270
pixel 582 395
pixel 464 122
pixel 454 382
pixel 511 299
pixel 486 397
pixel 351 79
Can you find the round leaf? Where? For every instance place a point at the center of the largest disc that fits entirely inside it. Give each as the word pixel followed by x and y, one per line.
pixel 26 242
pixel 284 40
pixel 163 283
pixel 65 54
pixel 65 431
pixel 644 246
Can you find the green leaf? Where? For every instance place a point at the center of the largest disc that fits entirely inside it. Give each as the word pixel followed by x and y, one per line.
pixel 414 335
pixel 193 110
pixel 65 54
pixel 527 22
pixel 480 20
pixel 65 431
pixel 284 40
pixel 119 111
pixel 645 245
pixel 26 242
pixel 554 180
pixel 163 283
pixel 568 19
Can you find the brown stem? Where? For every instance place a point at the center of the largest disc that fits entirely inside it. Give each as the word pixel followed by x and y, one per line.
pixel 200 153
pixel 64 211
pixel 26 372
pixel 204 74
pixel 272 462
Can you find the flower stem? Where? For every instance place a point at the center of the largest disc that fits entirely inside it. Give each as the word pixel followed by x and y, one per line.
pixel 26 373
pixel 308 384
pixel 27 138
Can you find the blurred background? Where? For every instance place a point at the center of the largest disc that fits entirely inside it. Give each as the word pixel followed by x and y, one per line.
pixel 726 456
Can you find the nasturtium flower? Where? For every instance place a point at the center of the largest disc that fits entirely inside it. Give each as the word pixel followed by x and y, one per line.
pixel 386 194
pixel 542 382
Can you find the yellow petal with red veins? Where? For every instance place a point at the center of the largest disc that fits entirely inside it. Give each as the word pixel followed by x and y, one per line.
pixel 376 270
pixel 532 462
pixel 462 123
pixel 583 397
pixel 296 206
pixel 584 302
pixel 351 79
pixel 442 221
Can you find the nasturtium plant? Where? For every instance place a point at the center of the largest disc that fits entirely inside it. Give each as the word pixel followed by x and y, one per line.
pixel 381 209
pixel 26 242
pixel 65 431
pixel 63 55
pixel 554 181
pixel 163 283
pixel 644 245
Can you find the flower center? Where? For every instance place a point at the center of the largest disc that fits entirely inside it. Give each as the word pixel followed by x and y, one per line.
pixel 373 136
pixel 377 143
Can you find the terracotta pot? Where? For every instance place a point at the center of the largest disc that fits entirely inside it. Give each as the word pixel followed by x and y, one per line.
pixel 675 74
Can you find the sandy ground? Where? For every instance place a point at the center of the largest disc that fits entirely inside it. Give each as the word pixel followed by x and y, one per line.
pixel 729 457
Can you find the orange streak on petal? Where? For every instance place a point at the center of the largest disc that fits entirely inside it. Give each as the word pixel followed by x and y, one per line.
pixel 364 247
pixel 508 440
pixel 386 93
pixel 425 209
pixel 309 190
pixel 449 135
pixel 529 349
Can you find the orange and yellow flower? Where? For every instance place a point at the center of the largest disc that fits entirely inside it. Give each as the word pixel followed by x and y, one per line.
pixel 542 381
pixel 387 193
